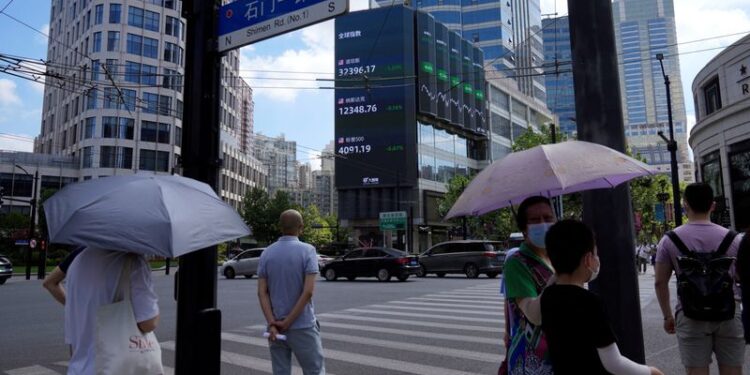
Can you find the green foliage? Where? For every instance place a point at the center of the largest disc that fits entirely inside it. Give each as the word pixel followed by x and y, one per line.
pixel 316 231
pixel 255 212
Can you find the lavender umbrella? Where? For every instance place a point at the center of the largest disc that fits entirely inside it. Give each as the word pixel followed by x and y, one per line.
pixel 547 170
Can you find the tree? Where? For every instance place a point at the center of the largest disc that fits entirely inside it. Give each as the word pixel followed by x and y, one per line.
pixel 316 231
pixel 255 213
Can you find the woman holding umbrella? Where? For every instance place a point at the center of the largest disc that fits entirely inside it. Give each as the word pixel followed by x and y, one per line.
pixel 527 272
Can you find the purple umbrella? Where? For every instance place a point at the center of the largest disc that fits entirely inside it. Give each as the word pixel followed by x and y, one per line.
pixel 547 170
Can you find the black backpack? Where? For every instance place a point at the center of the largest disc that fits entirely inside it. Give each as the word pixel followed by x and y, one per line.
pixel 704 285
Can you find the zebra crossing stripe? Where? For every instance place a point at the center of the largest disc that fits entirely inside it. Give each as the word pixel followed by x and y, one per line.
pixel 32 370
pixel 241 360
pixel 438 304
pixel 418 315
pixel 412 333
pixel 360 359
pixel 483 302
pixel 435 309
pixel 411 323
pixel 428 349
pixel 463 296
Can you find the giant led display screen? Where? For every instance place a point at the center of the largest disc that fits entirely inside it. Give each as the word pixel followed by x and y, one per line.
pixel 375 99
pixel 450 75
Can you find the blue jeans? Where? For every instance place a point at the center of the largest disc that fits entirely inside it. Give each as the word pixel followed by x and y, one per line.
pixel 307 347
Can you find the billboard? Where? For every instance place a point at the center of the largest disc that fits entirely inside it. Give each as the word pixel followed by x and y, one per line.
pixel 456 97
pixel 442 72
pixel 375 100
pixel 426 64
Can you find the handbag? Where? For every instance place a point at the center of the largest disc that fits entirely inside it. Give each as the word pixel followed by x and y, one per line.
pixel 121 348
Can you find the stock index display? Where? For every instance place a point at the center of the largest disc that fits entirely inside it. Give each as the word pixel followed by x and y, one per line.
pixel 375 100
pixel 392 63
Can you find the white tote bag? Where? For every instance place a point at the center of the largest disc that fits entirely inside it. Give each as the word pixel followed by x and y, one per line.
pixel 121 348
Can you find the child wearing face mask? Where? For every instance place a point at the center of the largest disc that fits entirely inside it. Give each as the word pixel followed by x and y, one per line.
pixel 580 338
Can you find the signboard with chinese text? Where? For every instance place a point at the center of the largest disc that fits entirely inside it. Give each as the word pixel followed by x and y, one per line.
pixel 247 21
pixel 394 220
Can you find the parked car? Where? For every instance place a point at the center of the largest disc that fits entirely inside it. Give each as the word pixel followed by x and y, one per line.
pixel 470 257
pixel 245 264
pixel 6 269
pixel 323 260
pixel 381 262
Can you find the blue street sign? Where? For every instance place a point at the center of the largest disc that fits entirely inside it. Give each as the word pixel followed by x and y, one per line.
pixel 22 242
pixel 659 212
pixel 247 21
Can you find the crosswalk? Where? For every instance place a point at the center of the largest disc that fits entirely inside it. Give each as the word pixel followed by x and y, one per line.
pixel 453 332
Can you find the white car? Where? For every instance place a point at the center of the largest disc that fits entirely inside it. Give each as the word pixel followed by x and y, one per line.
pixel 244 263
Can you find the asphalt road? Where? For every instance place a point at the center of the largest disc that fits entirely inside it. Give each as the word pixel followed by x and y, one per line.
pixel 437 326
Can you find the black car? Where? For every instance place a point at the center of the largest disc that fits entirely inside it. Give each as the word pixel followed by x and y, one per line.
pixel 6 269
pixel 470 257
pixel 380 262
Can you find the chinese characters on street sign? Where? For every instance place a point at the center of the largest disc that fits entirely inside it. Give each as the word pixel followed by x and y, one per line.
pixel 246 21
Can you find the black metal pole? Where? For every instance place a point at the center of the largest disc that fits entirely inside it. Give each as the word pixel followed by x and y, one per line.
pixel 672 148
pixel 607 212
pixel 31 224
pixel 198 346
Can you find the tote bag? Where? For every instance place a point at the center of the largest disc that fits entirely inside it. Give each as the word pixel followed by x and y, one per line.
pixel 121 348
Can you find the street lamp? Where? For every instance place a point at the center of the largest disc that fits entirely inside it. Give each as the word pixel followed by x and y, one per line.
pixel 672 147
pixel 32 202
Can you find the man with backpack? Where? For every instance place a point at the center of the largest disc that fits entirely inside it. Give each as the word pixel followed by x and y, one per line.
pixel 707 315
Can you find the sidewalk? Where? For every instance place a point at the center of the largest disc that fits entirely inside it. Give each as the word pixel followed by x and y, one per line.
pixel 661 348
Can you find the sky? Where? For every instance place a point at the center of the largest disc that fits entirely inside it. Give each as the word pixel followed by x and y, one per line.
pixel 287 71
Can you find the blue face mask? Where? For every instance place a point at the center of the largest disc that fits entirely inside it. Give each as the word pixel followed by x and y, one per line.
pixel 536 233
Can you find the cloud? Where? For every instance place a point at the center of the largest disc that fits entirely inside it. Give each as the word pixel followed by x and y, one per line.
pixel 39 38
pixel 16 142
pixel 8 95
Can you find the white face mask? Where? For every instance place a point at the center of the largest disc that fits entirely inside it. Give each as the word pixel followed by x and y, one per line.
pixel 537 232
pixel 594 272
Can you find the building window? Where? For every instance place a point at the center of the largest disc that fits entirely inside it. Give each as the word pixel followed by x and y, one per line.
pixel 116 157
pixel 89 128
pixel 91 99
pixel 134 44
pixel 117 127
pixel 151 160
pixel 87 157
pixel 97 45
pixel 98 14
pixel 739 175
pixel 111 98
pixel 94 70
pixel 174 27
pixel 114 13
pixel 151 101
pixel 173 53
pixel 712 96
pixel 172 80
pixel 178 136
pixel 113 40
pixel 165 105
pixel 155 132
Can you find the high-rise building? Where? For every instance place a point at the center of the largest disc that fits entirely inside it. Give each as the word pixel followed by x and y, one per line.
pixel 304 176
pixel 644 28
pixel 508 31
pixel 561 97
pixel 279 158
pixel 117 105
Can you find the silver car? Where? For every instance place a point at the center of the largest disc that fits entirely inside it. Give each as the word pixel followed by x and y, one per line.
pixel 244 263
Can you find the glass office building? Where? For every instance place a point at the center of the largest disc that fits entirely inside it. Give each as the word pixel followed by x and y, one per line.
pixel 644 28
pixel 558 69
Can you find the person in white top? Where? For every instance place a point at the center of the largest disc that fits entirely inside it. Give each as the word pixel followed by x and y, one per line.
pixel 92 282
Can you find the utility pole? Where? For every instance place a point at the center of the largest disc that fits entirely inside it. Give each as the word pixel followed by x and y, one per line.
pixel 672 148
pixel 198 345
pixel 607 212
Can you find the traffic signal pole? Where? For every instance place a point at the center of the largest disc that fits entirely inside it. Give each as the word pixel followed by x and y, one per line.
pixel 607 212
pixel 198 346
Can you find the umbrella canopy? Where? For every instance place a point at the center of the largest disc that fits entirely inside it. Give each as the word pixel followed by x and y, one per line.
pixel 547 170
pixel 147 214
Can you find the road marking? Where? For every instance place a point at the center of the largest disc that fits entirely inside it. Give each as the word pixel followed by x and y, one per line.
pixel 241 360
pixel 455 300
pixel 411 333
pixel 485 307
pixel 32 370
pixel 435 309
pixel 463 296
pixel 432 316
pixel 360 359
pixel 411 323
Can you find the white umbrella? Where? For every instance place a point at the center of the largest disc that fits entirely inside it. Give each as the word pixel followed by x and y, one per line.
pixel 157 215
pixel 547 170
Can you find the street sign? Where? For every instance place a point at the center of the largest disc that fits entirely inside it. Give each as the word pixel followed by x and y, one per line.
pixel 394 220
pixel 32 243
pixel 247 21
pixel 22 242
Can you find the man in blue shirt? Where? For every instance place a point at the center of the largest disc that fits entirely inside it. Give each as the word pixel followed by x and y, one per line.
pixel 286 280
